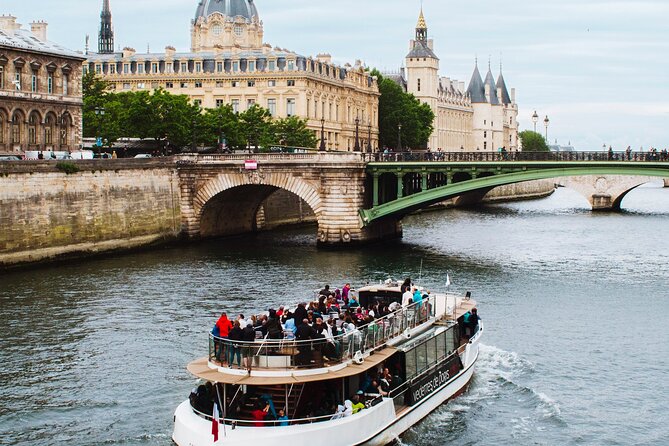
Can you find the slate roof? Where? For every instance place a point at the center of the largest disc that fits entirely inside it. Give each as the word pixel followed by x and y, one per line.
pixel 501 83
pixel 420 49
pixel 23 39
pixel 229 8
pixel 476 89
pixel 490 81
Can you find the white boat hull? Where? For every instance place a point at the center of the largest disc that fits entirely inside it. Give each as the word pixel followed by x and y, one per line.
pixel 376 426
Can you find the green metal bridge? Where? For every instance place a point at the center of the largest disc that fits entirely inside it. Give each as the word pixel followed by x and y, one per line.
pixel 402 183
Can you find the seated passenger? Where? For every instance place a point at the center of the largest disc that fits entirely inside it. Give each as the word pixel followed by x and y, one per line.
pixel 348 408
pixel 259 415
pixel 274 328
pixel 358 405
pixel 283 418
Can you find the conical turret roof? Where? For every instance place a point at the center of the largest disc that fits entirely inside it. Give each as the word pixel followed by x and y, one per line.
pixel 506 99
pixel 490 81
pixel 476 89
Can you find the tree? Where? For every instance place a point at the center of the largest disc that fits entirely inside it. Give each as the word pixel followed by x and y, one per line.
pixel 533 142
pixel 292 131
pixel 97 115
pixel 398 107
pixel 222 121
pixel 256 126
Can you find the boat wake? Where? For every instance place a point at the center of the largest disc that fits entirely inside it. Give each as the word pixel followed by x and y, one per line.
pixel 499 385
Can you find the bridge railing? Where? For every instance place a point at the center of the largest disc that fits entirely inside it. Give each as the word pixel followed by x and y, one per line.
pixel 513 156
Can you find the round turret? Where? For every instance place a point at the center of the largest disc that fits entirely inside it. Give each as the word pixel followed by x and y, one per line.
pixel 229 8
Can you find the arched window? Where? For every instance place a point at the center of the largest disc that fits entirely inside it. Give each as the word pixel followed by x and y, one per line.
pixel 16 128
pixel 48 130
pixel 32 128
pixel 2 128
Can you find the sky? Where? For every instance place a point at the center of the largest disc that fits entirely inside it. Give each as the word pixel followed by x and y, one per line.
pixel 597 68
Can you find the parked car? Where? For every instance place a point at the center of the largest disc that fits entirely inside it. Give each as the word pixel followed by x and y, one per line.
pixel 9 158
pixel 143 155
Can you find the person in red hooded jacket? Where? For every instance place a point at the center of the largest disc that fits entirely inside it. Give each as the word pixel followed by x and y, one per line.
pixel 224 326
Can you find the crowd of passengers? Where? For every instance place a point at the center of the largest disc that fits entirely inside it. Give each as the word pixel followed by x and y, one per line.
pixel 324 403
pixel 335 313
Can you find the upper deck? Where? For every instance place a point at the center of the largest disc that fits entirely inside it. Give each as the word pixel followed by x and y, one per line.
pixel 288 361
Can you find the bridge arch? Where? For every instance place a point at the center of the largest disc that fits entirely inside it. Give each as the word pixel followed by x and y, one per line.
pixel 228 204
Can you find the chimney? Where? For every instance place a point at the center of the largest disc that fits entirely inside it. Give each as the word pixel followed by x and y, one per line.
pixel 8 24
pixel 38 28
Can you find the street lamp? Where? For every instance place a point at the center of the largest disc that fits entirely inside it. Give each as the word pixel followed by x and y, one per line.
pixel 399 137
pixel 322 147
pixel 369 136
pixel 535 119
pixel 546 122
pixel 356 148
pixel 100 113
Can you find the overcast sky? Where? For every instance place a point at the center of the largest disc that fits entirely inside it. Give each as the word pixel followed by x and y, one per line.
pixel 598 69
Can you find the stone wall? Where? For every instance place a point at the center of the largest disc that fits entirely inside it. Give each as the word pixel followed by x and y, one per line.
pixel 284 208
pixel 107 205
pixel 521 191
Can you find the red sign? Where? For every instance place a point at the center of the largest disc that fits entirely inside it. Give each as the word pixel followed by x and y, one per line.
pixel 251 165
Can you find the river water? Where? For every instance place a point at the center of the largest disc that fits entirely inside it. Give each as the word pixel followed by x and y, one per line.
pixel 575 306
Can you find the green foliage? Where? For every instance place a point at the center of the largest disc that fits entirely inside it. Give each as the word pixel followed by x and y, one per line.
pixel 533 142
pixel 172 118
pixel 67 167
pixel 398 107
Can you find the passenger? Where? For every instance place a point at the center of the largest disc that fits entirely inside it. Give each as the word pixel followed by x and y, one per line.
pixel 344 293
pixel 353 302
pixel 259 415
pixel 301 312
pixel 268 400
pixel 474 321
pixel 274 328
pixel 289 327
pixel 383 387
pixel 417 297
pixel 242 320
pixel 339 412
pixel 348 411
pixel 280 311
pixel 304 333
pixel 283 418
pixel 248 337
pixel 337 295
pixel 234 348
pixel 224 326
pixel 218 345
pixel 326 291
pixel 407 298
pixel 358 405
pixel 406 286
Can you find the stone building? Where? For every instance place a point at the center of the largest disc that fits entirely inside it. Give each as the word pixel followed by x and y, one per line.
pixel 228 63
pixel 480 117
pixel 40 90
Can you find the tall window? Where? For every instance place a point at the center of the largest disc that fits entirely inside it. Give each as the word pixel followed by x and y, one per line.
pixel 16 129
pixel 64 127
pixel 291 65
pixel 2 128
pixel 291 82
pixel 235 105
pixel 219 67
pixel 271 106
pixel 33 82
pixel 2 77
pixel 250 103
pixel 290 107
pixel 98 68
pixel 66 86
pixel 112 68
pixel 49 83
pixel 169 68
pixel 48 130
pixel 17 79
pixel 32 129
pixel 272 65
pixel 252 66
pixel 140 68
pixel 219 103
pixel 184 67
pixel 235 67
pixel 126 68
pixel 154 68
pixel 198 67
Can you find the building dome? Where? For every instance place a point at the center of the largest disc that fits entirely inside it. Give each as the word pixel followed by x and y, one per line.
pixel 229 8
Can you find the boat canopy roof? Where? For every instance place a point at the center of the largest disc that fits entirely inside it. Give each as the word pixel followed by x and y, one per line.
pixel 202 369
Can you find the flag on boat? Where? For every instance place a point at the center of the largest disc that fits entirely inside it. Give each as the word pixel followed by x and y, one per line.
pixel 448 280
pixel 214 423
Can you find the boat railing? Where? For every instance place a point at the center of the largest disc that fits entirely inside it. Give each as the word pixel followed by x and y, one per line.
pixel 268 423
pixel 353 344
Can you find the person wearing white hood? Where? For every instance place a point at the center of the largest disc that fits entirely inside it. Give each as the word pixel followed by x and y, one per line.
pixel 348 411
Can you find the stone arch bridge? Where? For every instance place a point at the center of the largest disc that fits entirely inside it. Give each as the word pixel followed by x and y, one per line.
pixel 363 197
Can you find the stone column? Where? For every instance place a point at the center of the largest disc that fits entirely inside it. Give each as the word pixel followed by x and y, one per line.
pixel 666 182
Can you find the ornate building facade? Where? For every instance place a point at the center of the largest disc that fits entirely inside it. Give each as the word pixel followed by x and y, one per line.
pixel 40 91
pixel 480 117
pixel 228 63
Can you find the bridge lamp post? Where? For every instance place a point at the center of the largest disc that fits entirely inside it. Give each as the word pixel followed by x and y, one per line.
pixel 399 137
pixel 546 122
pixel 100 114
pixel 356 148
pixel 369 136
pixel 535 119
pixel 322 147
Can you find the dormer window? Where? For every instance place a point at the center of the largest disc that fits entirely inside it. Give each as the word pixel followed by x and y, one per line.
pixel 217 29
pixel 239 30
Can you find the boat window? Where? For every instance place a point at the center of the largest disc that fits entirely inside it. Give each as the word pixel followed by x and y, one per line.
pixel 441 345
pixel 410 359
pixel 421 358
pixel 432 355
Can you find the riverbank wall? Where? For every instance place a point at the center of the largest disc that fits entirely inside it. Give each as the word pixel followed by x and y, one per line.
pixel 47 214
pixel 530 190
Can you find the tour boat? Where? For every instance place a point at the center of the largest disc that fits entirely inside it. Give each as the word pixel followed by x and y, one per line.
pixel 428 348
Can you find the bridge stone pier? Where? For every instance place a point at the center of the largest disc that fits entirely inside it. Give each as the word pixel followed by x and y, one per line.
pixel 666 182
pixel 605 193
pixel 221 195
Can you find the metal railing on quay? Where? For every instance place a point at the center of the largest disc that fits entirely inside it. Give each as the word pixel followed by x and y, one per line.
pixel 287 353
pixel 422 156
